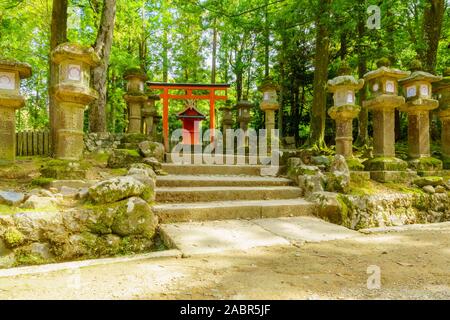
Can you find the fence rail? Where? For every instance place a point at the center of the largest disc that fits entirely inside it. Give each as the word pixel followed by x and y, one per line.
pixel 33 143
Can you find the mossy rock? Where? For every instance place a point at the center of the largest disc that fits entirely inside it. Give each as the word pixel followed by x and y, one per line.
pixel 64 170
pixel 385 164
pixel 355 164
pixel 134 138
pixel 426 164
pixel 429 181
pixel 123 158
pixel 13 238
pixel 42 182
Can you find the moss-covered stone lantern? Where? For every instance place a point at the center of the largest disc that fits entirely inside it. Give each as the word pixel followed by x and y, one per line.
pixel 243 107
pixel 383 99
pixel 269 103
pixel 135 98
pixel 442 90
pixel 417 89
pixel 344 110
pixel 73 94
pixel 11 72
pixel 148 114
pixel 227 118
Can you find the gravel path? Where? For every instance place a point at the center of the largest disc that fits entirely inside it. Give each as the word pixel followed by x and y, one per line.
pixel 413 263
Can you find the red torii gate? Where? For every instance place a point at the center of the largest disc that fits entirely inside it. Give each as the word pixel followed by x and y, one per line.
pixel 188 88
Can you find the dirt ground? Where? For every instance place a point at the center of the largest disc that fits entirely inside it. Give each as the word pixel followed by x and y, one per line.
pixel 414 264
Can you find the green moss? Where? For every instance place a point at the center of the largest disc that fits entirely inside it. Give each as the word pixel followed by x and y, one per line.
pixel 355 165
pixel 62 169
pixel 13 237
pixel 385 164
pixel 41 182
pixel 345 212
pixel 133 153
pixel 119 171
pixel 426 164
pixel 27 258
pixel 362 188
pixel 133 138
pixel 398 187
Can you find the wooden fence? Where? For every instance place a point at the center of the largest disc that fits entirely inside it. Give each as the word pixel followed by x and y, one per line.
pixel 33 143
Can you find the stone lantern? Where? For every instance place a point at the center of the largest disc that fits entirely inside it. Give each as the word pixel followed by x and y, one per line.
pixel 135 98
pixel 270 103
pixel 442 90
pixel 227 118
pixel 148 114
pixel 418 92
pixel 73 93
pixel 243 107
pixel 344 110
pixel 10 100
pixel 382 101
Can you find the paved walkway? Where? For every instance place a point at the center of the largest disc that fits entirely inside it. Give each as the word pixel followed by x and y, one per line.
pixel 413 263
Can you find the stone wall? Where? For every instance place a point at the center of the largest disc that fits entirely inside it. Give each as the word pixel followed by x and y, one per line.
pixel 381 210
pixel 112 217
pixel 102 142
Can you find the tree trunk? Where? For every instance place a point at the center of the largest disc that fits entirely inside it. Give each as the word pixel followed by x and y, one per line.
pixel 363 117
pixel 214 54
pixel 58 36
pixel 267 40
pixel 318 109
pixel 97 111
pixel 432 28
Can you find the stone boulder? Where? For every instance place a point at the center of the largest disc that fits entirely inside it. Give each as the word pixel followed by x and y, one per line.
pixel 37 202
pixel 134 217
pixel 11 198
pixel 312 183
pixel 429 181
pixel 119 188
pixel 339 177
pixel 154 163
pixel 123 158
pixel 152 149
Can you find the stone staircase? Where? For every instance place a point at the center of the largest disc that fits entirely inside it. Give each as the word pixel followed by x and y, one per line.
pixel 222 192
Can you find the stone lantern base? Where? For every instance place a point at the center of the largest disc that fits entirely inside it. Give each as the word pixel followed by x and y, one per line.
pixel 344 115
pixel 385 167
pixel 8 106
pixel 445 140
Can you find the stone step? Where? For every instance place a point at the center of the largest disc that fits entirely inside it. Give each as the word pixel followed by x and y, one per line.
pixel 219 181
pixel 189 169
pixel 204 194
pixel 226 210
pixel 198 159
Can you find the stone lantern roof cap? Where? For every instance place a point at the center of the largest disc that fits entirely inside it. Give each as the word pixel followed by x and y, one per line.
pixel 135 73
pixel 244 104
pixel 442 85
pixel 268 84
pixel 386 72
pixel 347 81
pixel 74 51
pixel 155 97
pixel 24 69
pixel 420 76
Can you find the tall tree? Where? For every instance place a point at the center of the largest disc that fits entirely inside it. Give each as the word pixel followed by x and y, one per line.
pixel 318 109
pixel 58 35
pixel 103 43
pixel 432 29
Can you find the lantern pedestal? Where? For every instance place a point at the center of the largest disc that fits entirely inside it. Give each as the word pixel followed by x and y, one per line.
pixel 385 166
pixel 344 115
pixel 72 102
pixel 419 135
pixel 134 103
pixel 445 118
pixel 442 89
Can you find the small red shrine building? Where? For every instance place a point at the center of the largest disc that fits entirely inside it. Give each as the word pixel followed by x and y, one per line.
pixel 191 119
